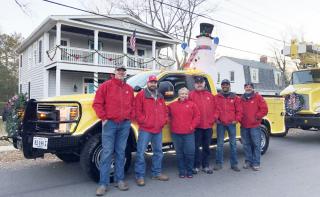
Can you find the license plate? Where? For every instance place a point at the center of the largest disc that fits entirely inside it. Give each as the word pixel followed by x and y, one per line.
pixel 40 142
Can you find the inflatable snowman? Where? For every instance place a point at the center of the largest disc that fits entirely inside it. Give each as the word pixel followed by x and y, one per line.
pixel 202 57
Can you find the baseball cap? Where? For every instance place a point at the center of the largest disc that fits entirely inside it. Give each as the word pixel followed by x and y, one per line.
pixel 225 81
pixel 198 79
pixel 120 67
pixel 248 83
pixel 152 78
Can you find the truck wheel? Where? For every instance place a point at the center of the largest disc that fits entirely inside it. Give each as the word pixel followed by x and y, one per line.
pixel 90 158
pixel 68 157
pixel 305 128
pixel 264 139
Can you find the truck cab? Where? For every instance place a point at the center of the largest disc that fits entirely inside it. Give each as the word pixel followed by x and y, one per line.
pixel 303 100
pixel 68 127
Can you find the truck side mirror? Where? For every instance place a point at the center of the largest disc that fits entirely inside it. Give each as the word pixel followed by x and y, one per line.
pixel 166 89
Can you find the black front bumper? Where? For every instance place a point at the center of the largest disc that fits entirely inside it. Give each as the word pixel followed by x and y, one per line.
pixel 299 120
pixel 57 143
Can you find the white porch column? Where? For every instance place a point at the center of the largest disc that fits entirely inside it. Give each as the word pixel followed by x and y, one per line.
pixel 153 54
pixel 125 59
pixel 96 46
pixel 58 41
pixel 45 83
pixel 95 81
pixel 58 81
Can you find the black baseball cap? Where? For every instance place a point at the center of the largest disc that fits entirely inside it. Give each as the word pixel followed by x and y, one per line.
pixel 199 79
pixel 121 67
pixel 249 83
pixel 225 81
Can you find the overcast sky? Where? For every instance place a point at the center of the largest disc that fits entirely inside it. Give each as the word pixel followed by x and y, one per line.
pixel 276 18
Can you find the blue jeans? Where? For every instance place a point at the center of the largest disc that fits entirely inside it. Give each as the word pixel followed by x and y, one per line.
pixel 202 138
pixel 251 140
pixel 231 128
pixel 114 141
pixel 144 139
pixel 184 145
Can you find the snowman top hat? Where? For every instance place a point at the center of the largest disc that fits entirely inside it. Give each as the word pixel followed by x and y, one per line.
pixel 206 30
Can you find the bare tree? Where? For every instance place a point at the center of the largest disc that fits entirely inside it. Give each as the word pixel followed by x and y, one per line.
pixel 99 6
pixel 177 19
pixel 281 63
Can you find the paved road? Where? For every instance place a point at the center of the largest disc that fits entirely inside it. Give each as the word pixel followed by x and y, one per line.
pixel 289 168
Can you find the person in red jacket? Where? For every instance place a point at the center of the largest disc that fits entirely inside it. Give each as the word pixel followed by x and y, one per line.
pixel 184 117
pixel 230 113
pixel 151 116
pixel 206 104
pixel 113 104
pixel 254 109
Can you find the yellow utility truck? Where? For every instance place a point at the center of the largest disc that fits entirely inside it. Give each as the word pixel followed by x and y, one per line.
pixel 302 100
pixel 68 127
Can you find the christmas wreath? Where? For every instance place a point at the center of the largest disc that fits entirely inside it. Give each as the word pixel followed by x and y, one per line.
pixel 294 103
pixel 14 113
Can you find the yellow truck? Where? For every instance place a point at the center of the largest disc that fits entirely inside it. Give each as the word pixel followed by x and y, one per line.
pixel 68 127
pixel 302 100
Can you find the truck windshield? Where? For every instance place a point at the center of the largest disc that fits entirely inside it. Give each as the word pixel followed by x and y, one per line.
pixel 140 79
pixel 306 76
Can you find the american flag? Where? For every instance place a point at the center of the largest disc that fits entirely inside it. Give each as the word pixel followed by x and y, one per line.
pixel 133 41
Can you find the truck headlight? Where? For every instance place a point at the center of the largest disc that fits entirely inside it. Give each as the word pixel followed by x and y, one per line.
pixel 317 108
pixel 67 113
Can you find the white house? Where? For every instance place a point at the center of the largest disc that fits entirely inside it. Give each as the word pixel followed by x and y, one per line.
pixel 73 54
pixel 267 79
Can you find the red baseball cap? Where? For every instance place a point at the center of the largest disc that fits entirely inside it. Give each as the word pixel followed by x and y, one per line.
pixel 152 78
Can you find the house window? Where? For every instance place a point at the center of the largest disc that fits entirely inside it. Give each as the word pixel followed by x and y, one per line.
pixel 64 43
pixel 40 51
pixel 141 52
pixel 277 78
pixel 231 76
pixel 20 60
pixel 91 45
pixel 130 51
pixel 218 78
pixel 35 53
pixel 254 73
pixel 88 85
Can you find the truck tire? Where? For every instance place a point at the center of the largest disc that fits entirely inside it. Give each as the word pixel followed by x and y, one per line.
pixel 264 139
pixel 68 157
pixel 90 157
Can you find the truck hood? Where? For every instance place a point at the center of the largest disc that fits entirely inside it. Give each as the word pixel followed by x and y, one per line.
pixel 301 89
pixel 75 97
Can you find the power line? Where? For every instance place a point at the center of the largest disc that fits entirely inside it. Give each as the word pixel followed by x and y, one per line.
pixel 94 13
pixel 222 22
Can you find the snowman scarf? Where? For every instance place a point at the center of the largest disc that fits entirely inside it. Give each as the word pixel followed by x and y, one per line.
pixel 194 53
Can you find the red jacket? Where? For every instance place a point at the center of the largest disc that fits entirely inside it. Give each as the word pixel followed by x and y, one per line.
pixel 254 109
pixel 151 114
pixel 184 117
pixel 114 101
pixel 206 104
pixel 229 108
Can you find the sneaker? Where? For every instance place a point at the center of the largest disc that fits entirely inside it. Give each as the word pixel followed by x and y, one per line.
pixel 140 182
pixel 101 190
pixel 217 167
pixel 182 176
pixel 246 165
pixel 161 177
pixel 195 170
pixel 207 170
pixel 235 168
pixel 123 186
pixel 190 176
pixel 255 168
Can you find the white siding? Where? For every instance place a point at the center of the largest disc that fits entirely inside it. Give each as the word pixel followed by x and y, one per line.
pixel 224 67
pixel 52 83
pixel 69 79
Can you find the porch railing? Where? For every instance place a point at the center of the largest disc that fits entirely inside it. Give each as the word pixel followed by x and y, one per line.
pixel 86 56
